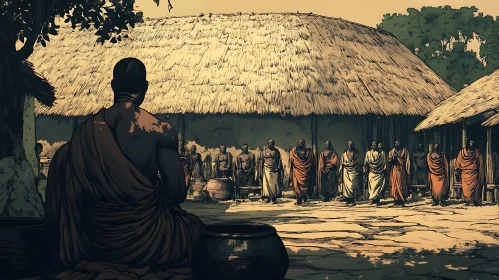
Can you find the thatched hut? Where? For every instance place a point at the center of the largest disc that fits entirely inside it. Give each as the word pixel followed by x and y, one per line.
pixel 234 79
pixel 470 115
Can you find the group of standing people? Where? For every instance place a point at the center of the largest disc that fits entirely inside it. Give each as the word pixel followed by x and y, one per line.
pixel 343 176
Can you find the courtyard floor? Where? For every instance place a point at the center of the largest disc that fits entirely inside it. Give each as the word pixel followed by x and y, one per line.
pixel 334 241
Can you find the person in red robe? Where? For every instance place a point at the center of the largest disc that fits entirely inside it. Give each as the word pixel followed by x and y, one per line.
pixel 302 171
pixel 470 172
pixel 108 214
pixel 438 176
pixel 399 160
pixel 327 178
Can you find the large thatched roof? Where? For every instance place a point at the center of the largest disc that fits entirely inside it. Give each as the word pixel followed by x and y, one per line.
pixel 492 121
pixel 293 64
pixel 479 97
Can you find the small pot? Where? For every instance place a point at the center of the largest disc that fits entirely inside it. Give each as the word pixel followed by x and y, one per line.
pixel 220 189
pixel 246 251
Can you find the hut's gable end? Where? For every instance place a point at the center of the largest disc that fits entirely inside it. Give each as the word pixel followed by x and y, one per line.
pixel 269 63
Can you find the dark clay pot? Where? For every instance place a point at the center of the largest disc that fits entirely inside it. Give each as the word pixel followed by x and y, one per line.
pixel 240 252
pixel 220 189
pixel 22 250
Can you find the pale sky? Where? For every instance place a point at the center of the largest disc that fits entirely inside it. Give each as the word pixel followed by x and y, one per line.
pixel 368 12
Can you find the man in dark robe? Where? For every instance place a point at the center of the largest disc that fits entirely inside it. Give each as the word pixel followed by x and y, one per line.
pixel 302 171
pixel 196 164
pixel 349 173
pixel 328 165
pixel 223 163
pixel 420 175
pixel 400 164
pixel 438 176
pixel 108 215
pixel 271 172
pixel 245 163
pixel 471 172
pixel 186 162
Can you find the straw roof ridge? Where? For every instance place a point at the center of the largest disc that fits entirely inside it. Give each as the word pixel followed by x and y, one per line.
pixel 283 64
pixel 278 13
pixel 36 85
pixel 479 97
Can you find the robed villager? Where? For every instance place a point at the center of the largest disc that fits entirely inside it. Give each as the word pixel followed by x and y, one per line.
pixel 302 171
pixel 271 172
pixel 327 177
pixel 108 215
pixel 349 172
pixel 186 162
pixel 471 172
pixel 438 176
pixel 245 164
pixel 375 165
pixel 400 166
pixel 223 163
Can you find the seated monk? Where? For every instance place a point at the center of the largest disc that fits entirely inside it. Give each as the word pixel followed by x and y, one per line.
pixel 108 215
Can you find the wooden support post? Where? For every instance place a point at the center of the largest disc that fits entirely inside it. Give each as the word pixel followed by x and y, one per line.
pixel 464 135
pixel 181 128
pixel 375 129
pixel 315 150
pixel 391 131
pixel 75 123
pixel 489 165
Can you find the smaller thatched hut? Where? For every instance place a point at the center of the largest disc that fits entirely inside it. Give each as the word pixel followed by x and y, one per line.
pixel 470 115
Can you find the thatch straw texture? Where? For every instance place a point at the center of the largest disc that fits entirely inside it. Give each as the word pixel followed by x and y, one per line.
pixel 288 64
pixel 36 85
pixel 477 98
pixel 492 121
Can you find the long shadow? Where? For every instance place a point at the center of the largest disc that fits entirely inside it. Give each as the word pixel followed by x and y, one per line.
pixel 307 262
pixel 478 263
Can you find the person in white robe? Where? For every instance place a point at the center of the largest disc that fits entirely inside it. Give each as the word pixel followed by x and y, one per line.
pixel 375 165
pixel 349 174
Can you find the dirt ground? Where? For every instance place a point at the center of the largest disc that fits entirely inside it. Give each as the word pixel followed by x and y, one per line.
pixel 334 241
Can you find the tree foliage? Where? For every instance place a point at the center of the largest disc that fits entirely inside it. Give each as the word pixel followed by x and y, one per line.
pixel 440 36
pixel 35 20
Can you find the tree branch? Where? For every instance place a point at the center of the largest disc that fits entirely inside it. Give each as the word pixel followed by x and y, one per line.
pixel 27 48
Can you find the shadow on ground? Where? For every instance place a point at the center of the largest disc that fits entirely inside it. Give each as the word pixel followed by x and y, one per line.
pixel 479 263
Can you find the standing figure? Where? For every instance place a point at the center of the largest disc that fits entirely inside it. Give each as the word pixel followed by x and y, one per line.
pixel 196 165
pixel 400 163
pixel 470 170
pixel 186 162
pixel 420 176
pixel 301 171
pixel 438 176
pixel 375 166
pixel 245 164
pixel 349 173
pixel 328 165
pixel 223 163
pixel 271 172
pixel 38 151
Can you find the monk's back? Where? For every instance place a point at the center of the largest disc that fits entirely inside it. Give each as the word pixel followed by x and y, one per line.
pixel 135 130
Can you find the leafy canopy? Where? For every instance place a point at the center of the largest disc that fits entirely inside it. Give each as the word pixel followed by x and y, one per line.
pixel 35 20
pixel 440 36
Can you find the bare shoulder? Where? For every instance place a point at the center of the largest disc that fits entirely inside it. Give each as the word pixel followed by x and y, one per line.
pixel 162 130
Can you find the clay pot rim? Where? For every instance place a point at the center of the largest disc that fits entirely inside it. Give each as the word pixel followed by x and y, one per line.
pixel 21 222
pixel 269 231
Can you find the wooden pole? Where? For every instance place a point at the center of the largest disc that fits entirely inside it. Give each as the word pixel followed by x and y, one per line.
pixel 489 166
pixel 75 123
pixel 464 135
pixel 375 129
pixel 181 128
pixel 315 150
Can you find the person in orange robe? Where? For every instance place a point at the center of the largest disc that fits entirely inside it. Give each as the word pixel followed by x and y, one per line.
pixel 438 175
pixel 301 171
pixel 470 171
pixel 399 159
pixel 186 162
pixel 327 179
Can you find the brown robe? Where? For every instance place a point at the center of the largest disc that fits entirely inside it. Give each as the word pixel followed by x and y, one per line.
pixel 399 175
pixel 246 165
pixel 472 175
pixel 327 179
pixel 105 219
pixel 438 176
pixel 302 171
